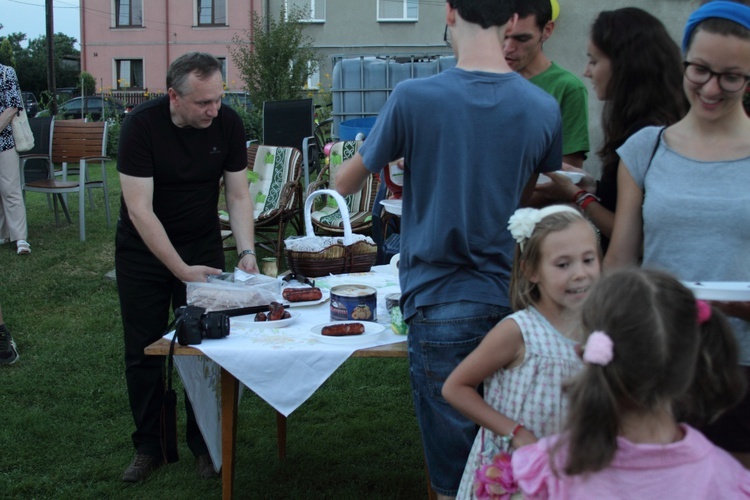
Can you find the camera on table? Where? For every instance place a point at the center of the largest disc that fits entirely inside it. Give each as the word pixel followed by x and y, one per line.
pixel 194 324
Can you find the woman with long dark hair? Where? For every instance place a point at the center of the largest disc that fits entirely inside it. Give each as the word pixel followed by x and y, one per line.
pixel 634 67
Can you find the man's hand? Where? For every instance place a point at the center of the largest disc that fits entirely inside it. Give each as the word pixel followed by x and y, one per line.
pixel 196 274
pixel 248 264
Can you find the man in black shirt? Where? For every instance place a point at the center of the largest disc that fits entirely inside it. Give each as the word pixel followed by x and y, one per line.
pixel 173 152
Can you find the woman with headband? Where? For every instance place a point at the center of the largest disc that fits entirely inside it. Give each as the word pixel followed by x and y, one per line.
pixel 683 189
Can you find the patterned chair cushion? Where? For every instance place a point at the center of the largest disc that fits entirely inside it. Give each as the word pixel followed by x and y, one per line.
pixel 359 204
pixel 273 167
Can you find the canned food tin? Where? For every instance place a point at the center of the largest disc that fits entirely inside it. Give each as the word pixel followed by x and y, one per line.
pixel 354 302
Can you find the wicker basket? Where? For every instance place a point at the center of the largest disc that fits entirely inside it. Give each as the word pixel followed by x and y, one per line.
pixel 336 259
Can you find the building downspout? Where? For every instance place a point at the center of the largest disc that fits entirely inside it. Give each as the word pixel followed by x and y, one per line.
pixel 252 18
pixel 83 34
pixel 166 31
pixel 267 14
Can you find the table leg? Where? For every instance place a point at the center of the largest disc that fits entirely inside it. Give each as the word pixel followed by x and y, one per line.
pixel 281 434
pixel 229 392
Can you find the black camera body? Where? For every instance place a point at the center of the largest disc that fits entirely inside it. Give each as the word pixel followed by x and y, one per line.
pixel 194 324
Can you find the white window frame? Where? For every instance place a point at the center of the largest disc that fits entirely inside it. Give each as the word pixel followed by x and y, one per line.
pixel 314 79
pixel 406 6
pixel 316 8
pixel 115 19
pixel 197 15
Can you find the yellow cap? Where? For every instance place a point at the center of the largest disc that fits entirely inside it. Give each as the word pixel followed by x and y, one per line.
pixel 555 9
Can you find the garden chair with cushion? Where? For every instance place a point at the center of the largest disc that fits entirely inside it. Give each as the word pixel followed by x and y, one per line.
pixel 327 218
pixel 292 123
pixel 274 174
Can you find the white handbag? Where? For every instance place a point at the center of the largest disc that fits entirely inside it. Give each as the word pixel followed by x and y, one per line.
pixel 22 135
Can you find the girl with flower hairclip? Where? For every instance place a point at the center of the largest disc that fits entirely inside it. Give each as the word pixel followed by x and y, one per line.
pixel 656 361
pixel 524 359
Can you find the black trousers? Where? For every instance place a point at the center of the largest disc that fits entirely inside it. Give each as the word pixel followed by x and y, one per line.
pixel 147 291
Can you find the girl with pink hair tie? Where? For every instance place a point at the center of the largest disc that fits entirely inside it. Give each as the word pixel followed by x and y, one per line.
pixel 650 374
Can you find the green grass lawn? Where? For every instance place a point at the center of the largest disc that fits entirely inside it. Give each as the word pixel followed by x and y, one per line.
pixel 65 420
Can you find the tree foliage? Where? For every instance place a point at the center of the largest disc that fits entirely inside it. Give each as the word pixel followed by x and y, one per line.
pixel 6 54
pixel 31 62
pixel 89 83
pixel 274 57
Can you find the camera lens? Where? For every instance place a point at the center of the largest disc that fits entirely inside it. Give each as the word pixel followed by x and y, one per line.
pixel 215 326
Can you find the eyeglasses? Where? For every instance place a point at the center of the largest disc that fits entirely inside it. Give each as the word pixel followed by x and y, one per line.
pixel 728 82
pixel 446 39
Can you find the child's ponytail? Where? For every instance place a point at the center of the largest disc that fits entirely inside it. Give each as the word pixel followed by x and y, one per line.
pixel 719 383
pixel 593 423
pixel 651 350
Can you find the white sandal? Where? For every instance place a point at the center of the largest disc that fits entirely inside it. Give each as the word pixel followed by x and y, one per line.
pixel 23 247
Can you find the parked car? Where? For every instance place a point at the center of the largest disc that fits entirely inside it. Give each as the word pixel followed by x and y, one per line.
pixel 113 108
pixel 237 100
pixel 30 103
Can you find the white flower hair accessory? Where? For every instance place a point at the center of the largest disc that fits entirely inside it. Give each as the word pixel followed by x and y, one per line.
pixel 523 221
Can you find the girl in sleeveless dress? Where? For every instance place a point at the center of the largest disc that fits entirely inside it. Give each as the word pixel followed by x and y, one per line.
pixel 525 358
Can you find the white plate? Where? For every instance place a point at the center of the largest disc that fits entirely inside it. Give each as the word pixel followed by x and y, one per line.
pixel 575 177
pixel 248 321
pixel 326 295
pixel 730 291
pixel 392 206
pixel 371 330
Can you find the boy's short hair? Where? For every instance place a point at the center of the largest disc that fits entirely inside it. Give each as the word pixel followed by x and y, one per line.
pixel 540 9
pixel 485 13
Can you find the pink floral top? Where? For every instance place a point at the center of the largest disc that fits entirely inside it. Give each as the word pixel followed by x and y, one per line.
pixel 690 468
pixel 530 393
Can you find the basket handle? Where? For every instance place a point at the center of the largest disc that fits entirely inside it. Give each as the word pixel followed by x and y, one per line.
pixel 340 201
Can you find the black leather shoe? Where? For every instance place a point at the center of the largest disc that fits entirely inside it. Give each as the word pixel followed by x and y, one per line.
pixel 140 468
pixel 205 467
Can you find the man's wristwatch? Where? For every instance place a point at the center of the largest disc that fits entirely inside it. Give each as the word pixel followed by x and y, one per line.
pixel 245 252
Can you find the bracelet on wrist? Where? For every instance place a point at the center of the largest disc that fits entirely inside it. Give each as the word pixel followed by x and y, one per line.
pixel 585 200
pixel 245 252
pixel 579 194
pixel 508 438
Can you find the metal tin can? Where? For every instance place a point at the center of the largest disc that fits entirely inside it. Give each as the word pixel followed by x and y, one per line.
pixel 354 302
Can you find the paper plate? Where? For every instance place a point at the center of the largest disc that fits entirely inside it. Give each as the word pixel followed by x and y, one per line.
pixel 326 296
pixel 372 330
pixel 729 291
pixel 575 177
pixel 248 321
pixel 392 206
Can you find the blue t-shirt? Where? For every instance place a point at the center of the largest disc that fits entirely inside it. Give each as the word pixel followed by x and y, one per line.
pixel 470 142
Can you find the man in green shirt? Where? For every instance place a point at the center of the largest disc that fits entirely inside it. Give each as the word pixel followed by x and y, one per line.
pixel 524 52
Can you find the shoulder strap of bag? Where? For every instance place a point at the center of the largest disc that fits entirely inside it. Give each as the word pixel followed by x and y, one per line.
pixel 169 413
pixel 651 159
pixel 656 147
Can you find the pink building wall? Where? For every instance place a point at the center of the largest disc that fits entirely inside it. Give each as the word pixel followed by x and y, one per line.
pixel 169 30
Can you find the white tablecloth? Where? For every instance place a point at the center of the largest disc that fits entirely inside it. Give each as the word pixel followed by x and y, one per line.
pixel 284 366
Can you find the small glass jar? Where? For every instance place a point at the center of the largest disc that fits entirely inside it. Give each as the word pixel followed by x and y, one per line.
pixel 269 267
